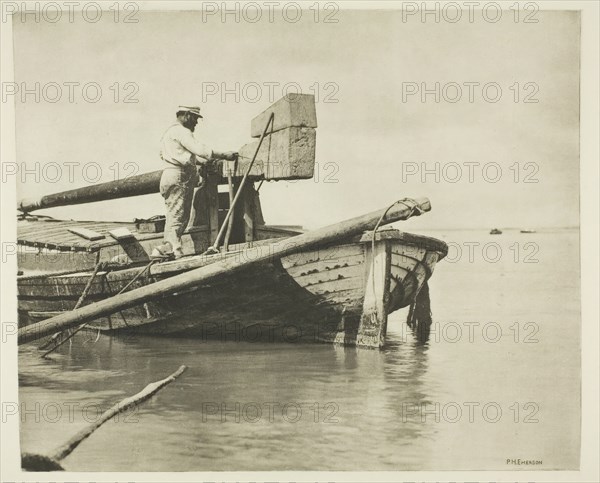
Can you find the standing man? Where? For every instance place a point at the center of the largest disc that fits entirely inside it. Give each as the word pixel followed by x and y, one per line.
pixel 181 152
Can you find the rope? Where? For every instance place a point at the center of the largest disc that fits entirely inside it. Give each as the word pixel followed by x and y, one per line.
pixel 82 298
pixel 80 301
pixel 414 207
pixel 120 311
pixel 138 275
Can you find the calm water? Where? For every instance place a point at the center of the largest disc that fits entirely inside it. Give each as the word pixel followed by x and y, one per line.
pixel 498 379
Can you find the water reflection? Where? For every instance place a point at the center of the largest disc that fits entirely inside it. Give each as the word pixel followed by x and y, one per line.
pixel 312 396
pixel 325 407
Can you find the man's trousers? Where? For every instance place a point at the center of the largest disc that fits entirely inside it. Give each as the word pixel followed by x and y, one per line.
pixel 177 188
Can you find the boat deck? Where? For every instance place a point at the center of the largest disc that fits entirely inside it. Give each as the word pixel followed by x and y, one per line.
pixel 54 234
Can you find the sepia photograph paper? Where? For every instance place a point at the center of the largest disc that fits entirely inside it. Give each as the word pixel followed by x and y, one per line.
pixel 299 241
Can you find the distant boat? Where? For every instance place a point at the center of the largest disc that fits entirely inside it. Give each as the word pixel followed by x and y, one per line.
pixel 528 231
pixel 495 231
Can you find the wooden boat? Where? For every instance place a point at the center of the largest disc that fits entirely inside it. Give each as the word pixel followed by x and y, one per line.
pixel 495 231
pixel 528 230
pixel 317 294
pixel 340 290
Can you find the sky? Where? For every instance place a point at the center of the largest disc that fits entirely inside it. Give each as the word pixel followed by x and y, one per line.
pixel 508 163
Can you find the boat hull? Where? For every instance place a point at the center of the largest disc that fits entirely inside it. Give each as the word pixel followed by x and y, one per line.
pixel 341 293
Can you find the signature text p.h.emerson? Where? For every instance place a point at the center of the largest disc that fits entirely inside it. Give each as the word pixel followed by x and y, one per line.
pixel 520 462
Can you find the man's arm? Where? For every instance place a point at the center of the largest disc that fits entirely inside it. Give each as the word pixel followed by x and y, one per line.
pixel 189 142
pixel 228 155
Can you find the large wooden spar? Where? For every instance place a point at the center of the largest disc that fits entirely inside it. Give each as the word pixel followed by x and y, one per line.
pixel 289 154
pixel 401 210
pixel 141 184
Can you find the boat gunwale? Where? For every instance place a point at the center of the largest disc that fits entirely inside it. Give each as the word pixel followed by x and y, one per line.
pixel 200 260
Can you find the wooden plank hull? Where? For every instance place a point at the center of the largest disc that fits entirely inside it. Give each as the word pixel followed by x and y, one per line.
pixel 318 295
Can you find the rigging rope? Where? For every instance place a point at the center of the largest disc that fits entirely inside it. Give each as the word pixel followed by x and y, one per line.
pixel 80 301
pixel 82 298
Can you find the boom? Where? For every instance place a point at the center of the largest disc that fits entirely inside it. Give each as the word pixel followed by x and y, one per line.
pixel 142 184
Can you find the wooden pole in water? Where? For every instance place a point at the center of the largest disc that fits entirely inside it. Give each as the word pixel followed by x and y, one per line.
pixel 400 210
pixel 35 462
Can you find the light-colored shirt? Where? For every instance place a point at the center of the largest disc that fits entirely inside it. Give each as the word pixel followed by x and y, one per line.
pixel 179 147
